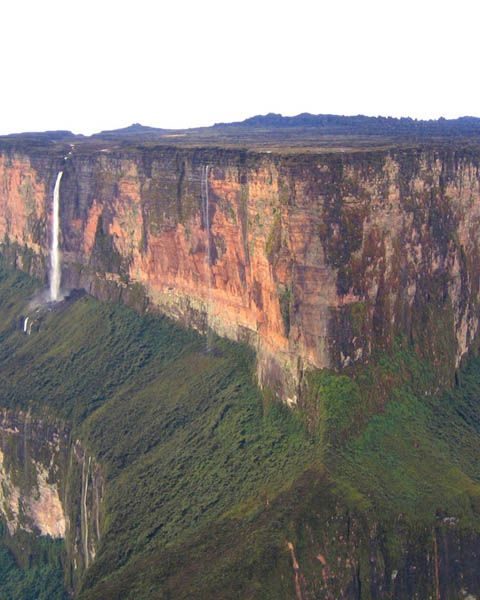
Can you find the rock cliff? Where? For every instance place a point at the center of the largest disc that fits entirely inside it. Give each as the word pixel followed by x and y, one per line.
pixel 50 487
pixel 167 472
pixel 316 260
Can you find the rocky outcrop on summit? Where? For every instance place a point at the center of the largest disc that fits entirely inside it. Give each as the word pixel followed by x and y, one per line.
pixel 316 260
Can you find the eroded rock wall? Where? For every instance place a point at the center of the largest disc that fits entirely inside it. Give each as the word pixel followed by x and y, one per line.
pixel 32 458
pixel 50 486
pixel 315 260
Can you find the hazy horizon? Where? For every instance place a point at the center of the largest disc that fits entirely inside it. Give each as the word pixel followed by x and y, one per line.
pixel 126 125
pixel 99 66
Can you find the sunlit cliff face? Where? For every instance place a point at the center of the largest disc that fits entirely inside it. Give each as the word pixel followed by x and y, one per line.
pixel 49 486
pixel 315 261
pixel 31 468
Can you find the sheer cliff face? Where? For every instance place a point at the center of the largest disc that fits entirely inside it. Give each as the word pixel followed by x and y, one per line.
pixel 316 261
pixel 49 486
pixel 31 456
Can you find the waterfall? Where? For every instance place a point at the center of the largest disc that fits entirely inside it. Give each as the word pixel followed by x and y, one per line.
pixel 55 270
pixel 84 509
pixel 25 325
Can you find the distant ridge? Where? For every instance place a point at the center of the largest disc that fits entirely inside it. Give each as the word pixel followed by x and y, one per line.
pixel 54 136
pixel 275 132
pixel 360 124
pixel 135 129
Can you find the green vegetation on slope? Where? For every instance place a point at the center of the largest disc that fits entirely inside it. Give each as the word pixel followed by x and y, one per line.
pixel 40 579
pixel 182 434
pixel 417 454
pixel 207 483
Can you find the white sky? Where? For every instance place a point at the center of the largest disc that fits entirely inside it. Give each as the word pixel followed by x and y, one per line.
pixel 88 65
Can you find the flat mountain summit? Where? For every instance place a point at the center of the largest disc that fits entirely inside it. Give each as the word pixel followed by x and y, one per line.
pixel 275 132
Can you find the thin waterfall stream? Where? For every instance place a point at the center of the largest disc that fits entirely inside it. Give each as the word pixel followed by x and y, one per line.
pixel 55 266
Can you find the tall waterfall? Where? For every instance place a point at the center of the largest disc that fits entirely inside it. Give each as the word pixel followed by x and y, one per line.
pixel 55 268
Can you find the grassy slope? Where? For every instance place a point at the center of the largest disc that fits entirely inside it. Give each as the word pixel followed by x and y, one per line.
pixel 183 434
pixel 418 454
pixel 207 483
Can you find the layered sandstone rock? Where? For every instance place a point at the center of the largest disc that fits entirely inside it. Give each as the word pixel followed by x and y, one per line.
pixel 315 260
